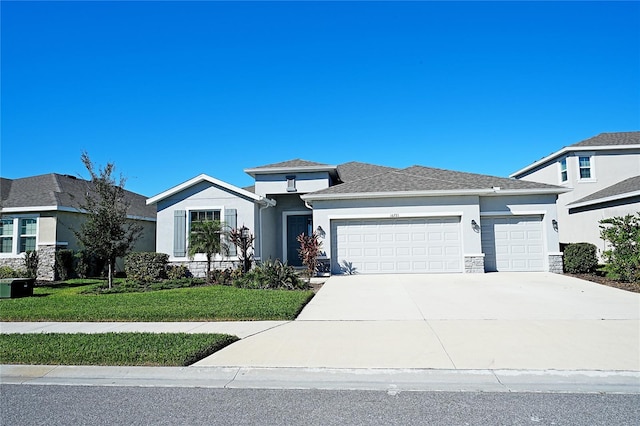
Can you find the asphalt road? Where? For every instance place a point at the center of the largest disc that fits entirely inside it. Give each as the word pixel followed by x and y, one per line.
pixel 99 405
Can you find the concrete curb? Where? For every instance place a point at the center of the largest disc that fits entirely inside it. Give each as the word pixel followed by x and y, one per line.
pixel 389 380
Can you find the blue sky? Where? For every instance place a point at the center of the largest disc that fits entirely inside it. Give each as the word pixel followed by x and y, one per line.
pixel 169 90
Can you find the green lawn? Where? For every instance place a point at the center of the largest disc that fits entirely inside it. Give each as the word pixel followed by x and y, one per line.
pixel 64 302
pixel 130 349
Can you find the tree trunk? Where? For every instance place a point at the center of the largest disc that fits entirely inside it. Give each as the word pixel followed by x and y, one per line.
pixel 110 274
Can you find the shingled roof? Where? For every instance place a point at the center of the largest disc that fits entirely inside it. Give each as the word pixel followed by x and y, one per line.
pixel 55 192
pixel 354 170
pixel 422 180
pixel 611 139
pixel 292 164
pixel 626 188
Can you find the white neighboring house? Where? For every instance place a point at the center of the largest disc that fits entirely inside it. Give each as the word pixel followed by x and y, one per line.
pixel 377 219
pixel 604 175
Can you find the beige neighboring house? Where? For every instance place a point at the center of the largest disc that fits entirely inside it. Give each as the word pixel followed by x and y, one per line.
pixel 40 213
pixel 603 173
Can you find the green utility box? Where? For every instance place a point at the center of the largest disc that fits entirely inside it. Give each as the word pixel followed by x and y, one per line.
pixel 16 287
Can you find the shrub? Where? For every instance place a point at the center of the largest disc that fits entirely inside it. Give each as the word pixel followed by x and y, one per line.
pixel 623 236
pixel 9 272
pixel 65 264
pixel 146 266
pixel 271 275
pixel 176 272
pixel 88 265
pixel 309 251
pixel 224 276
pixel 580 258
pixel 31 263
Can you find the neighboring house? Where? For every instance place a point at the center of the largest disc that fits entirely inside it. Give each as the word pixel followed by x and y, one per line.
pixel 604 175
pixel 375 219
pixel 41 212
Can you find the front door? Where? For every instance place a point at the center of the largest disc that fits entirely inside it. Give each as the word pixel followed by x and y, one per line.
pixel 296 225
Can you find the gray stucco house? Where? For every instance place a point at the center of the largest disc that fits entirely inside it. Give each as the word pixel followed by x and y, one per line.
pixel 376 219
pixel 602 175
pixel 40 213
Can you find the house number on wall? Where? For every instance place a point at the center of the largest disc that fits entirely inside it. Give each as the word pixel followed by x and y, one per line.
pixel 394 215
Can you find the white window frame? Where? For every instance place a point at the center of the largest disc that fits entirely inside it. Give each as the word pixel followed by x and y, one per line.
pixel 592 166
pixel 17 235
pixel 563 171
pixel 11 236
pixel 201 256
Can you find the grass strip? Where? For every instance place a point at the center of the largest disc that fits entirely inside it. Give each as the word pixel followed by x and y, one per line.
pixel 211 303
pixel 112 349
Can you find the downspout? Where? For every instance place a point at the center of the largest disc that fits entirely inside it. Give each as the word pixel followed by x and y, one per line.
pixel 266 204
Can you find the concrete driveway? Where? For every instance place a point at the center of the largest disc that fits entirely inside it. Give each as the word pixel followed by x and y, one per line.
pixel 524 321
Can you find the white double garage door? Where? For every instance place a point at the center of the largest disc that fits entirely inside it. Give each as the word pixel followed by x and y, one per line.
pixel 433 244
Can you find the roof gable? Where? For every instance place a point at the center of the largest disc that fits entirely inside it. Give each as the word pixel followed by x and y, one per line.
pixel 205 178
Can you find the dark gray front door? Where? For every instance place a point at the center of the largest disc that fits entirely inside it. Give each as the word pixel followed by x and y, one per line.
pixel 296 225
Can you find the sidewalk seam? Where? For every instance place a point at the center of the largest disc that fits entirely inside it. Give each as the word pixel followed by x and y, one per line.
pixel 500 381
pixel 267 329
pixel 233 379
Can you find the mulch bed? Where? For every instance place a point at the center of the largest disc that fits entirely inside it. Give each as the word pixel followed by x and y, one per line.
pixel 634 287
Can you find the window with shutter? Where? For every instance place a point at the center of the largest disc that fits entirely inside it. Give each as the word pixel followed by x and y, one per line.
pixel 180 233
pixel 231 220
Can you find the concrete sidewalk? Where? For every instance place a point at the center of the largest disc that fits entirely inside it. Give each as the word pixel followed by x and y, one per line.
pixel 242 329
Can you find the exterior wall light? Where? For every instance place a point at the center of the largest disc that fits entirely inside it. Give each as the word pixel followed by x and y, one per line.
pixel 475 226
pixel 554 223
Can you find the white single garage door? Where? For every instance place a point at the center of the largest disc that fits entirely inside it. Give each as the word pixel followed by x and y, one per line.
pixel 380 246
pixel 512 243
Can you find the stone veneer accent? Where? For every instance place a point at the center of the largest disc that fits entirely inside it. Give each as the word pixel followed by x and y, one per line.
pixel 46 262
pixel 199 268
pixel 474 264
pixel 16 263
pixel 556 264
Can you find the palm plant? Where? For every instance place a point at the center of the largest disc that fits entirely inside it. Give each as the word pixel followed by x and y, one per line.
pixel 208 237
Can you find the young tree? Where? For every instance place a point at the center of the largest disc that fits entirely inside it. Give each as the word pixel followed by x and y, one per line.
pixel 208 237
pixel 107 232
pixel 309 251
pixel 243 239
pixel 623 236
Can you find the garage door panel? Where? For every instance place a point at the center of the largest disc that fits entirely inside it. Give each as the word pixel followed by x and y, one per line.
pixel 418 236
pixel 387 266
pixel 402 245
pixel 386 238
pixel 403 251
pixel 371 252
pixel 452 251
pixel 385 252
pixel 420 266
pixel 513 243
